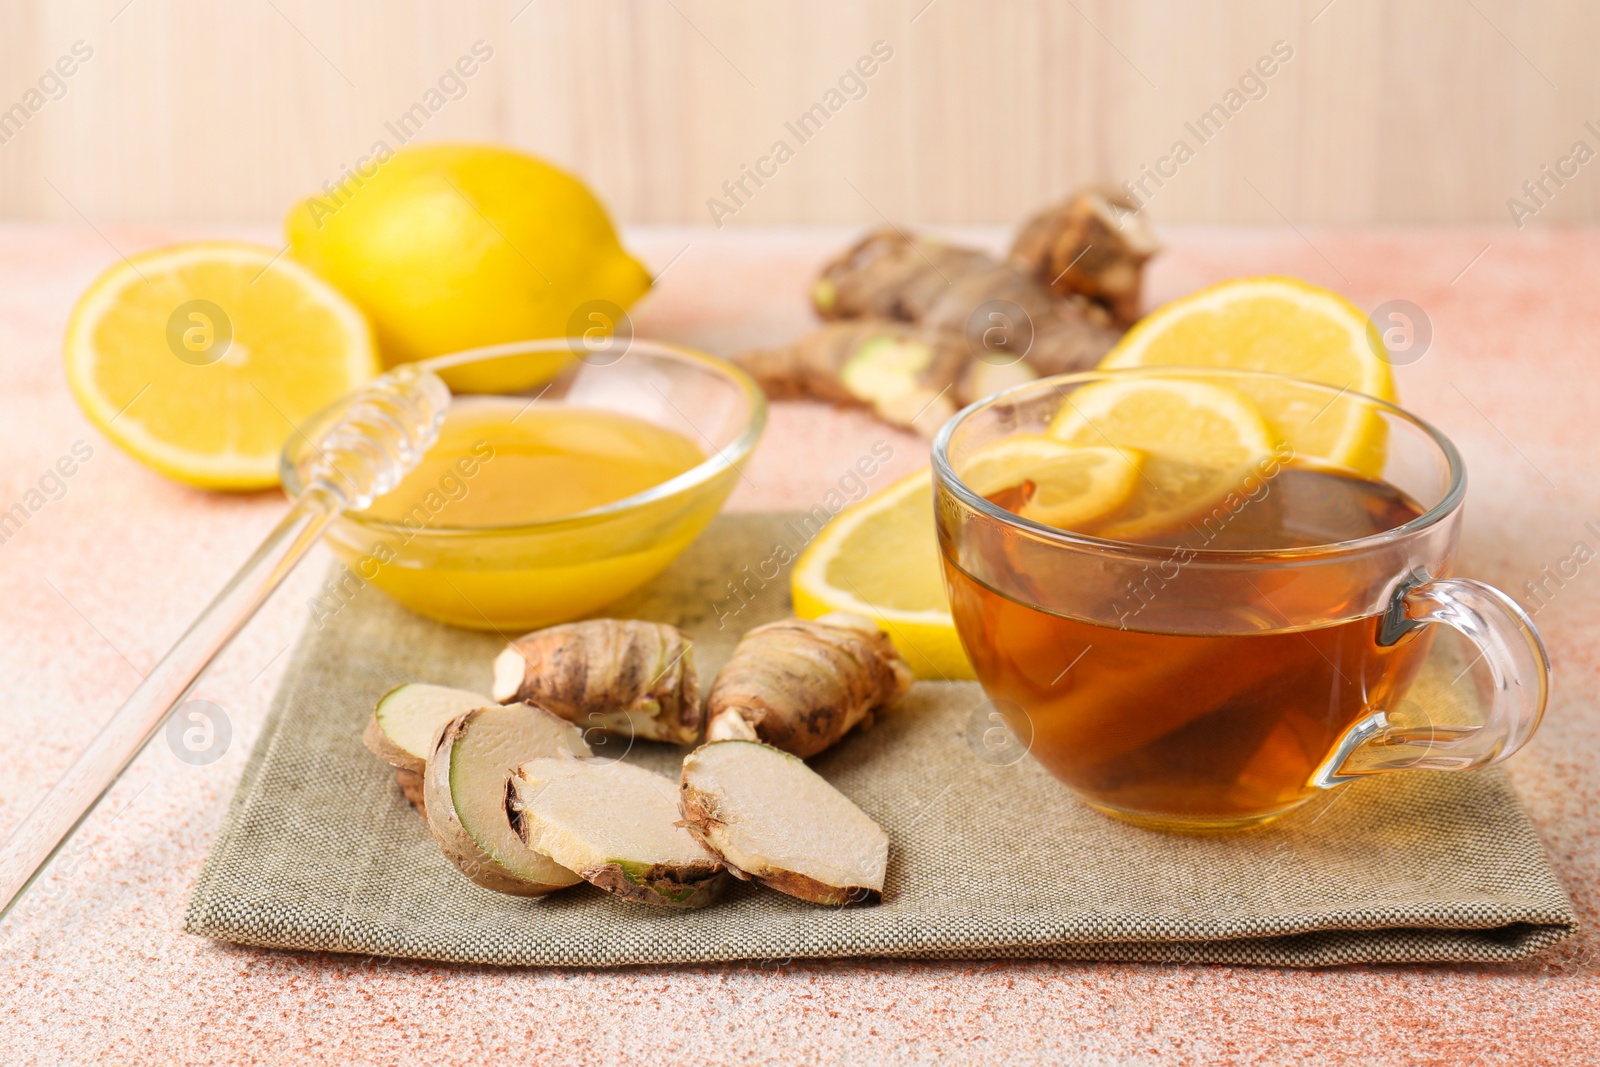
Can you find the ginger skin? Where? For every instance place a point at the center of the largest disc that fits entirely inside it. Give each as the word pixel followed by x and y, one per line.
pixel 410 783
pixel 889 276
pixel 917 328
pixel 624 676
pixel 907 375
pixel 801 685
pixel 1096 244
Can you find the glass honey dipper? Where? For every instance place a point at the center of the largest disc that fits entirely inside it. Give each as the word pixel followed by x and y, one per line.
pixel 380 434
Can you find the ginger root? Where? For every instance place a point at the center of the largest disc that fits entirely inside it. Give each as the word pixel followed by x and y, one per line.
pixel 616 825
pixel 987 310
pixel 801 685
pixel 890 275
pixel 624 676
pixel 908 375
pixel 1096 244
pixel 918 328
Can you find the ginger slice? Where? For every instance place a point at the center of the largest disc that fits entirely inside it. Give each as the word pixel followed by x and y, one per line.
pixel 411 787
pixel 406 725
pixel 616 825
pixel 466 791
pixel 801 685
pixel 624 676
pixel 772 818
pixel 407 722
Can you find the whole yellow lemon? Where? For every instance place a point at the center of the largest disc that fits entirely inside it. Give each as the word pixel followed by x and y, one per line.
pixel 455 246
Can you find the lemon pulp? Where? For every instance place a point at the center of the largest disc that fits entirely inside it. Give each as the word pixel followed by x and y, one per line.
pixel 200 360
pixel 1198 440
pixel 1071 486
pixel 1283 326
pixel 880 558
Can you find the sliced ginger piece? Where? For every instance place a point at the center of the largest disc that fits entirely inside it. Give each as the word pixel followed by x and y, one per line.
pixel 616 825
pixel 411 787
pixel 407 722
pixel 772 818
pixel 406 725
pixel 466 789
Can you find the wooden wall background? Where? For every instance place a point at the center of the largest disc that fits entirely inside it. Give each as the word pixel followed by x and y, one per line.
pixel 1409 111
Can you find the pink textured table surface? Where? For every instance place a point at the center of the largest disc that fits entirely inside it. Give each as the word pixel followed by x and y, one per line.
pixel 94 967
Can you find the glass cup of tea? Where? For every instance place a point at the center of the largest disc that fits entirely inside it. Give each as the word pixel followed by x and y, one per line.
pixel 1259 643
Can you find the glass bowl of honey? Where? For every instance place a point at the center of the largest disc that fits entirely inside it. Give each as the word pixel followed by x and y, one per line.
pixel 545 499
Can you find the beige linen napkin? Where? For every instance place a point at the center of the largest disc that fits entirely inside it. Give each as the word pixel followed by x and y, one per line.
pixel 990 857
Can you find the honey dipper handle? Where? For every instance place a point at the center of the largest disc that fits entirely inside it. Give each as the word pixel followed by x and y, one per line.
pixel 372 441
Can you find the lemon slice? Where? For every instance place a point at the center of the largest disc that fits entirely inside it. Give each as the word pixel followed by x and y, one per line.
pixel 1284 326
pixel 1072 487
pixel 201 359
pixel 1200 441
pixel 880 558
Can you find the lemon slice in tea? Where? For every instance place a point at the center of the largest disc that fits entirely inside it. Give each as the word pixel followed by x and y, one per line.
pixel 1283 326
pixel 1200 441
pixel 1069 486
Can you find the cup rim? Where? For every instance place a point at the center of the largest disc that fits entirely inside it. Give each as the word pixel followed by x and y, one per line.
pixel 720 460
pixel 1447 504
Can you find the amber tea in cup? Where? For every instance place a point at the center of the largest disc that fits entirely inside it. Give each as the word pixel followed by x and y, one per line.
pixel 1214 726
pixel 1217 671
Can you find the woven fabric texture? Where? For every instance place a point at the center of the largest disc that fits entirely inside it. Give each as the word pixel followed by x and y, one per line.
pixel 990 857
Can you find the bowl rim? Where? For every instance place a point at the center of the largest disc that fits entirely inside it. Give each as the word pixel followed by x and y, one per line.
pixel 717 462
pixel 1449 502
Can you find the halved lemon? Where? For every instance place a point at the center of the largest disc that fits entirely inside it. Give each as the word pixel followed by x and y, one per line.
pixel 201 359
pixel 1070 486
pixel 880 558
pixel 1199 442
pixel 1285 326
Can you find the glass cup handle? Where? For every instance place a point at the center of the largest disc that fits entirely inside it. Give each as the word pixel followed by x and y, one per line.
pixel 1518 665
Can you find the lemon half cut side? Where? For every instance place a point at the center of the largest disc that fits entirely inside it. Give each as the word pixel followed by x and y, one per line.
pixel 880 558
pixel 201 359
